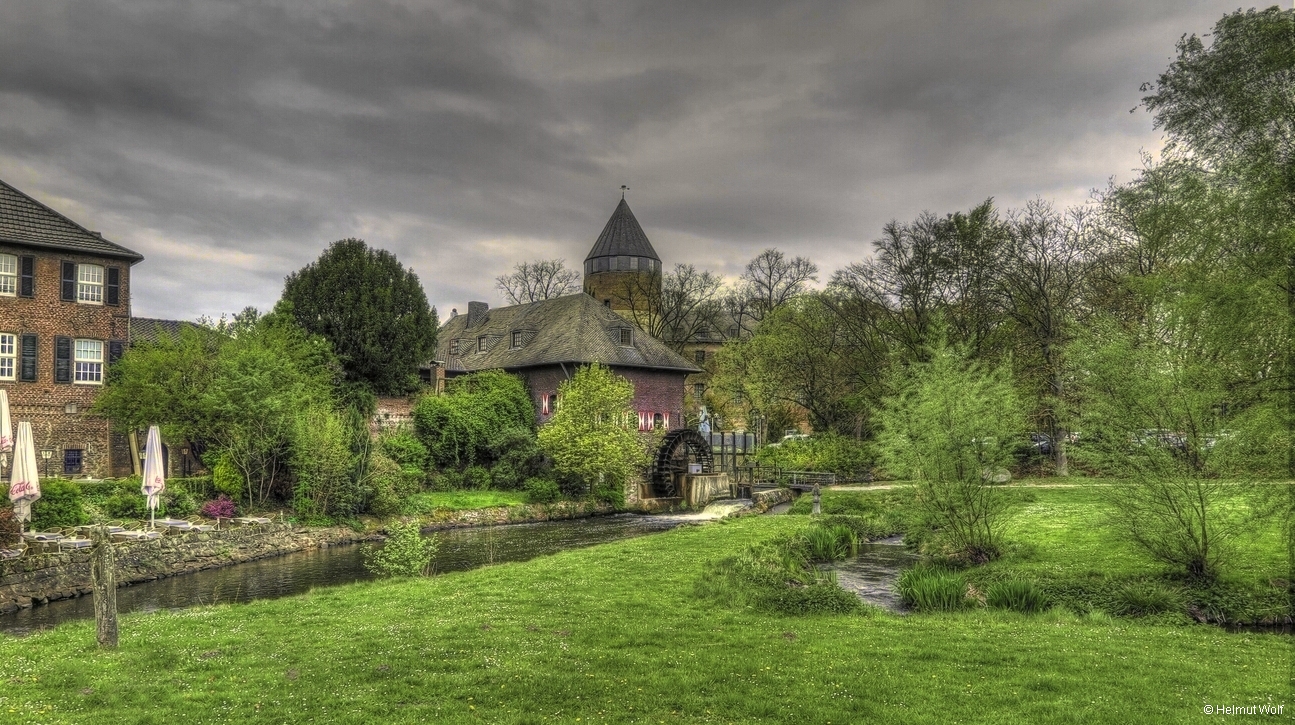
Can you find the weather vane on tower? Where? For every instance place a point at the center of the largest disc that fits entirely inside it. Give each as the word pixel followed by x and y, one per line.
pixel 624 189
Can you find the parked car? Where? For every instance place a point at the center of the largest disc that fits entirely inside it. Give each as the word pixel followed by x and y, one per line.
pixel 1034 445
pixel 790 436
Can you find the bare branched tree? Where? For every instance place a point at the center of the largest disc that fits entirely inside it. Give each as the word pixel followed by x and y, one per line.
pixel 539 280
pixel 1049 260
pixel 676 307
pixel 771 279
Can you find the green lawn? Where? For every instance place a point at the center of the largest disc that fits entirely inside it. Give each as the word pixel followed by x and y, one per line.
pixel 463 500
pixel 614 634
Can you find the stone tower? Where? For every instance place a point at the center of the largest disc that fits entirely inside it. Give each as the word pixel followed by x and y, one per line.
pixel 622 270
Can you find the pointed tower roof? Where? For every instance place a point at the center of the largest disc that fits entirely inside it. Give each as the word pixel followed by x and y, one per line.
pixel 623 237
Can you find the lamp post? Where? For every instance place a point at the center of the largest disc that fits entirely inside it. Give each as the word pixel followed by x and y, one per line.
pixel 46 454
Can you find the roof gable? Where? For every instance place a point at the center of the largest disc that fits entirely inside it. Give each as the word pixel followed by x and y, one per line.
pixel 23 220
pixel 572 329
pixel 623 237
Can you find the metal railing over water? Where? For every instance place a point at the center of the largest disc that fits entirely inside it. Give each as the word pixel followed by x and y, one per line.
pixel 756 475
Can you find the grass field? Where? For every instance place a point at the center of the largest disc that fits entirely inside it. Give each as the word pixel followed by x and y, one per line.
pixel 615 634
pixel 463 500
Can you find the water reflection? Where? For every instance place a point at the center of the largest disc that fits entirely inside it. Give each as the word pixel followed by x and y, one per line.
pixel 302 571
pixel 874 574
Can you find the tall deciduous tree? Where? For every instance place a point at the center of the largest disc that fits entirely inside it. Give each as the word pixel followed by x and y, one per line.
pixel 541 279
pixel 371 309
pixel 1047 267
pixel 1230 106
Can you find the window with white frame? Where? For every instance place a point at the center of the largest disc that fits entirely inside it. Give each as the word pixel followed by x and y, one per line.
pixel 89 362
pixel 8 275
pixel 8 356
pixel 89 284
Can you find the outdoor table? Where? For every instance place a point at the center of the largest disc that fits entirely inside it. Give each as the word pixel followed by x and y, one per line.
pixel 135 535
pixel 74 544
pixel 251 520
pixel 41 536
pixel 91 528
pixel 10 553
pixel 171 522
pixel 204 528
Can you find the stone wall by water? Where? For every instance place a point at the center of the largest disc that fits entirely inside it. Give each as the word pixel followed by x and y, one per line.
pixel 39 578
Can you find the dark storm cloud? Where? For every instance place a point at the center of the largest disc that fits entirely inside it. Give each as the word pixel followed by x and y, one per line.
pixel 230 141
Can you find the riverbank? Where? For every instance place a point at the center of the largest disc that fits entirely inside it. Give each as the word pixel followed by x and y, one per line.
pixel 41 578
pixel 615 633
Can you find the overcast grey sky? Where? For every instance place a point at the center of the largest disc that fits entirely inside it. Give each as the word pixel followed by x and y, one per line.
pixel 230 142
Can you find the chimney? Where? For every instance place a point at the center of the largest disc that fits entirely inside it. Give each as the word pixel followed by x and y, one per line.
pixel 454 312
pixel 477 313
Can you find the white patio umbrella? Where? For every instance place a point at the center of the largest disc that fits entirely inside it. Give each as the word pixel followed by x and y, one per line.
pixel 24 484
pixel 6 431
pixel 154 472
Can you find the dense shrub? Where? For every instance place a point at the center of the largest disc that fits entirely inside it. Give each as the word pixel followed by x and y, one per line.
pixel 848 458
pixel 517 456
pixel 542 490
pixel 60 504
pixel 1141 598
pixel 403 447
pixel 929 589
pixel 406 552
pixel 391 485
pixel 222 507
pixel 476 478
pixel 325 486
pixel 225 477
pixel 592 438
pixel 179 502
pixel 1019 596
pixel 9 526
pixel 457 427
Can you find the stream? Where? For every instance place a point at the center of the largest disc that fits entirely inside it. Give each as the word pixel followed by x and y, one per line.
pixel 873 574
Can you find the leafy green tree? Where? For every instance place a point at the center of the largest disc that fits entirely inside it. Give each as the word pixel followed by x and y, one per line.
pixel 950 427
pixel 405 553
pixel 592 438
pixel 1229 108
pixel 371 309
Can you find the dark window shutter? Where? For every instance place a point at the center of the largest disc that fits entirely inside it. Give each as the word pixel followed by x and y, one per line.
pixel 27 369
pixel 69 282
pixel 26 276
pixel 112 290
pixel 62 359
pixel 115 350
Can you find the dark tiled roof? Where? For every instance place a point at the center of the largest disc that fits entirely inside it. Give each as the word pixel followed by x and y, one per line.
pixel 147 329
pixel 23 220
pixel 623 236
pixel 573 329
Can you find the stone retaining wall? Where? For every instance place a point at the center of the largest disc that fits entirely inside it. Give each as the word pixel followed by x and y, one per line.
pixel 39 578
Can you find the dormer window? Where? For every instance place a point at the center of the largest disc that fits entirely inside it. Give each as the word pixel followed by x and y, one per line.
pixel 481 344
pixel 516 339
pixel 627 336
pixel 454 347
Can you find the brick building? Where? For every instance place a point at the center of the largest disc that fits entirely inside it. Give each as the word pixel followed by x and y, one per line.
pixel 545 342
pixel 64 317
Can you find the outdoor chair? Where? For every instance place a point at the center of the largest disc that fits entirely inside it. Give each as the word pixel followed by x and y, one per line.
pixel 196 524
pixel 16 552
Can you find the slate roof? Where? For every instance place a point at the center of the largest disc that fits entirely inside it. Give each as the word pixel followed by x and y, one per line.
pixel 623 236
pixel 148 329
pixel 23 220
pixel 574 329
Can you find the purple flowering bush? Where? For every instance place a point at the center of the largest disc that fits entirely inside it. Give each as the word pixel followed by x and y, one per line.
pixel 221 508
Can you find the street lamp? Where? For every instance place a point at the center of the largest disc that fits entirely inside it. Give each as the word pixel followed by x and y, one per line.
pixel 47 454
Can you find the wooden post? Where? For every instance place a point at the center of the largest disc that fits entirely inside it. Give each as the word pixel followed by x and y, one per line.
pixel 818 501
pixel 103 575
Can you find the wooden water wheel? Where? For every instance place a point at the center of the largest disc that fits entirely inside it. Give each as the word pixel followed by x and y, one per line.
pixel 680 448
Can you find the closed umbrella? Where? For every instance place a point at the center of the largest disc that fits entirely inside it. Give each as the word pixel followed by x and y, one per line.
pixel 24 485
pixel 154 473
pixel 6 431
